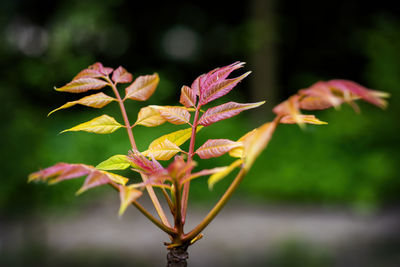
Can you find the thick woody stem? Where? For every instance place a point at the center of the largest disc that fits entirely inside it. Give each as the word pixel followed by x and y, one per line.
pixel 177 257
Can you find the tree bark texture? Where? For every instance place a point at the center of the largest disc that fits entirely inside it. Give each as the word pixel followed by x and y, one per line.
pixel 177 257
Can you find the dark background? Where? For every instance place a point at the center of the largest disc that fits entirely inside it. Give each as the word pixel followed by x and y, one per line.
pixel 351 164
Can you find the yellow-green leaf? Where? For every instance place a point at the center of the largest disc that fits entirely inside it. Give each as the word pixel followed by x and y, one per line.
pixel 142 88
pixel 178 137
pixel 100 125
pixel 310 119
pixel 116 162
pixel 216 177
pixel 128 194
pixel 149 117
pixel 82 85
pixel 98 100
pixel 162 151
pixel 237 152
pixel 173 114
pixel 257 142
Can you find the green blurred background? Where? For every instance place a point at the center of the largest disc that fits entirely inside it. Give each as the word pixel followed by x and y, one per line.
pixel 351 163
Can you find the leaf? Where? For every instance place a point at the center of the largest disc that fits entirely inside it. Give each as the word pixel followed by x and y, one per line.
pixel 101 69
pixel 94 179
pixel 256 142
pixel 371 96
pixel 216 177
pixel 215 147
pixel 178 137
pixel 225 111
pixel 142 88
pixel 220 89
pixel 238 152
pixel 319 96
pixel 98 100
pixel 116 162
pixel 290 107
pixel 149 117
pixel 128 194
pixel 188 97
pixel 147 166
pixel 100 125
pixel 94 71
pixel 88 73
pixel 173 114
pixel 65 171
pixel 163 151
pixel 220 74
pixel 310 119
pixel 82 85
pixel 120 75
pixel 198 83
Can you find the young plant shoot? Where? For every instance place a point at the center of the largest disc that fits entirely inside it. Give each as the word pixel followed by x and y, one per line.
pixel 197 113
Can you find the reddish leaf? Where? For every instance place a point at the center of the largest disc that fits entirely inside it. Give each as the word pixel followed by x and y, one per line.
pixel 142 88
pixel 188 97
pixel 220 88
pixel 198 83
pixel 82 85
pixel 66 171
pixel 319 96
pixel 216 147
pixel 225 111
pixel 120 75
pixel 94 179
pixel 147 166
pixel 371 96
pixel 220 74
pixel 101 69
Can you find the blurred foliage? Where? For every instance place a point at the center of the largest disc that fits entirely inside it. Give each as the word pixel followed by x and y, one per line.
pixel 351 161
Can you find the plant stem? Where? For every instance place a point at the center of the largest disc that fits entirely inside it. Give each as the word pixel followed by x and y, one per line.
pixel 217 208
pixel 149 189
pixel 186 186
pixel 177 213
pixel 158 223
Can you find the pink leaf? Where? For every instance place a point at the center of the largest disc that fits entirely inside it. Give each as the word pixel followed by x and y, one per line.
pixel 82 85
pixel 94 179
pixel 220 74
pixel 220 88
pixel 371 96
pixel 100 68
pixel 120 75
pixel 188 97
pixel 147 166
pixel 197 84
pixel 225 111
pixel 65 171
pixel 216 147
